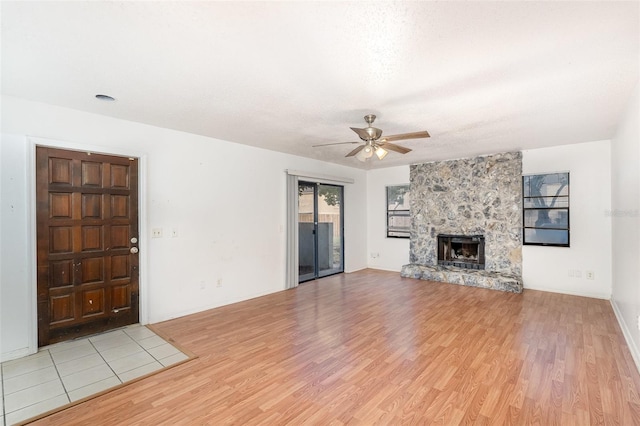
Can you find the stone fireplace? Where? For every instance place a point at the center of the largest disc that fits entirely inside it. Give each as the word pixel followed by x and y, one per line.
pixel 461 251
pixel 466 222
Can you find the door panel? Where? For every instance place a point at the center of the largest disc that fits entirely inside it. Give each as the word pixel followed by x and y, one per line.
pixel 306 231
pixel 329 230
pixel 87 214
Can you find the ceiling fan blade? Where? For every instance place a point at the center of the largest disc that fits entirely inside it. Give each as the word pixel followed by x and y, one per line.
pixel 336 143
pixel 355 151
pixel 404 136
pixel 396 148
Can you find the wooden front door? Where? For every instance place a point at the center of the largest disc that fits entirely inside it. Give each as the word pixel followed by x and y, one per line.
pixel 87 225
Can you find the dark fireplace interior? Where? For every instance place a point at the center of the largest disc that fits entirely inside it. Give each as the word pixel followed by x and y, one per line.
pixel 462 251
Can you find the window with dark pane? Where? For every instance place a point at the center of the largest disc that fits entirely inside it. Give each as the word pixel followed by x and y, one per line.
pixel 546 209
pixel 398 218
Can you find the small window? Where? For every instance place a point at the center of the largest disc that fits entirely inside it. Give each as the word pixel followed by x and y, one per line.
pixel 546 209
pixel 398 218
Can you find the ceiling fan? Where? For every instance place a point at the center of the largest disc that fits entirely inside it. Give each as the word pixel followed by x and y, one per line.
pixel 375 143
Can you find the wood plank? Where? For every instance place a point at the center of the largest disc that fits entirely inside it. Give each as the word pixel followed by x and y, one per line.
pixel 374 348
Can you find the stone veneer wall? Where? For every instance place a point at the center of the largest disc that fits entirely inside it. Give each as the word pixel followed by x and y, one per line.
pixel 481 195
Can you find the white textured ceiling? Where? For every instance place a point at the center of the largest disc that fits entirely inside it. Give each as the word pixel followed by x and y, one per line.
pixel 481 77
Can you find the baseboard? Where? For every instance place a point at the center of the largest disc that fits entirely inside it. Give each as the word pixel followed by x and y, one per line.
pixel 627 335
pixel 18 353
pixel 380 268
pixel 571 293
pixel 230 301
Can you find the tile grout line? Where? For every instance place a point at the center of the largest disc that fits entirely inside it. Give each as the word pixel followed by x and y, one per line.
pixel 143 348
pixel 150 354
pixel 105 361
pixel 137 343
pixel 58 373
pixel 40 383
pixel 100 353
pixel 55 366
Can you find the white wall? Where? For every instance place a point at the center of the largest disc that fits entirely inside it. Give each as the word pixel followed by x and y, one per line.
pixel 16 297
pixel 226 200
pixel 625 200
pixel 384 253
pixel 547 268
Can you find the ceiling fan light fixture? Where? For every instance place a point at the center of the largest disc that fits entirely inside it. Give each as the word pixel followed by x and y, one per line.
pixel 381 152
pixel 368 151
pixel 365 153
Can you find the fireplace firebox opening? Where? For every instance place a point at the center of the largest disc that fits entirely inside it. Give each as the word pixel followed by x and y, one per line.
pixel 462 251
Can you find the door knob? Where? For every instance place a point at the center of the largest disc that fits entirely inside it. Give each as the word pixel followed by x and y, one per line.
pixel 133 250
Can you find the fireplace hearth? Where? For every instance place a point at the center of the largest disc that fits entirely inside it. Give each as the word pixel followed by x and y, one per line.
pixel 461 251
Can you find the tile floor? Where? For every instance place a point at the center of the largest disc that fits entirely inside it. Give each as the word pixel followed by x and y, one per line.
pixel 69 371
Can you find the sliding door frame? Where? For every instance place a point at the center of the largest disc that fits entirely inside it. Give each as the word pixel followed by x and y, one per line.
pixel 292 176
pixel 317 272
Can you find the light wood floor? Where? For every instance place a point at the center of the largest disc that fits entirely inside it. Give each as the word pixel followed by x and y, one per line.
pixel 373 348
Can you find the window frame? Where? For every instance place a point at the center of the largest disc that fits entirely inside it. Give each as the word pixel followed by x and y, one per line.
pixel 565 206
pixel 394 213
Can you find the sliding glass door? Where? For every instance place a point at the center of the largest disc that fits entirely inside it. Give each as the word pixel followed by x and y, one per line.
pixel 320 230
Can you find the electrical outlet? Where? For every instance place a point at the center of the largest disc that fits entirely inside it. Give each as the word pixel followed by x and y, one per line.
pixel 156 233
pixel 174 232
pixel 590 275
pixel 202 285
pixel 219 283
